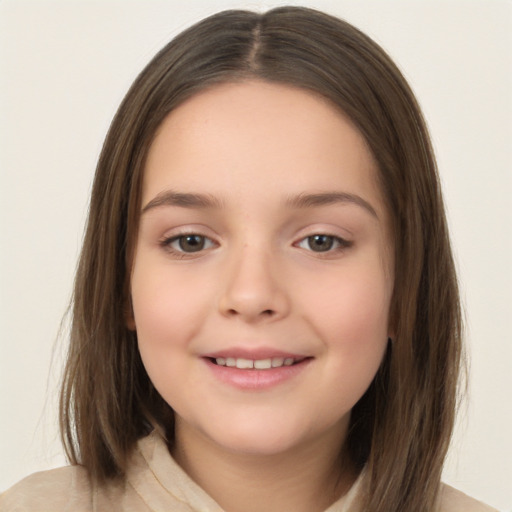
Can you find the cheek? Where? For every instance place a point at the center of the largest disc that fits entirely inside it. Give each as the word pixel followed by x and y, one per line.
pixel 167 312
pixel 353 308
pixel 166 319
pixel 166 306
pixel 352 322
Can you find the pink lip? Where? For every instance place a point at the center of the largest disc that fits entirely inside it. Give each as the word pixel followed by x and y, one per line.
pixel 253 379
pixel 252 353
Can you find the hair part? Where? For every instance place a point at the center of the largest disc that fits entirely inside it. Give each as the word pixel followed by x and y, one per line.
pixel 400 429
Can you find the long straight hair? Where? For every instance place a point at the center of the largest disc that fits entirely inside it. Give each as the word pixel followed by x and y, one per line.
pixel 400 428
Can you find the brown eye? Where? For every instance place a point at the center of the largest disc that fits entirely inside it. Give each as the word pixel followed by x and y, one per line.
pixel 320 243
pixel 187 244
pixel 191 243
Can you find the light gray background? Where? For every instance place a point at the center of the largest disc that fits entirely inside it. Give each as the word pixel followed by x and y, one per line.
pixel 65 66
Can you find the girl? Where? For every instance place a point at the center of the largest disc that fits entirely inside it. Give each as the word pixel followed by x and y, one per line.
pixel 265 313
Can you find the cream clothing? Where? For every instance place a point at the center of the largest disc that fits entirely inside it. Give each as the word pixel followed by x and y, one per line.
pixel 154 483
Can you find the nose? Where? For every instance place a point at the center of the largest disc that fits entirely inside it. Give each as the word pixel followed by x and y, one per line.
pixel 254 290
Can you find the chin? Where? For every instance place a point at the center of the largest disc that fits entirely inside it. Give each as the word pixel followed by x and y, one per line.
pixel 264 438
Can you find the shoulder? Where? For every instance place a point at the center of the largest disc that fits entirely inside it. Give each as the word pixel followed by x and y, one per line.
pixel 66 488
pixel 453 500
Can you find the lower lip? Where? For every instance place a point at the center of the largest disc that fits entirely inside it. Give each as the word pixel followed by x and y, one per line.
pixel 256 380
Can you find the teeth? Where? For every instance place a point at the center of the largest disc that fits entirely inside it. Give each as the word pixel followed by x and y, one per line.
pixel 244 363
pixel 277 361
pixel 263 364
pixel 258 364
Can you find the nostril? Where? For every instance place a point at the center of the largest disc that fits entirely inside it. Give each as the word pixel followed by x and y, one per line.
pixel 266 312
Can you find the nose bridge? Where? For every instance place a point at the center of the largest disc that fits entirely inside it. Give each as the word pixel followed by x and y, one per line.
pixel 253 289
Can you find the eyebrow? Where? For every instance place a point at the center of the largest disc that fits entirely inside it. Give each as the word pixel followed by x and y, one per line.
pixel 183 199
pixel 208 201
pixel 328 198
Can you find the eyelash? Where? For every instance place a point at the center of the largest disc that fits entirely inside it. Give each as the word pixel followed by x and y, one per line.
pixel 167 244
pixel 336 244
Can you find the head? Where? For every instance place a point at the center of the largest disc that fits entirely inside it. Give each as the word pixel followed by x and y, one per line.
pixel 401 425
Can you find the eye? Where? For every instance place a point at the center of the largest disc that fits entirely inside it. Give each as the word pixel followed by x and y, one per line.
pixel 323 243
pixel 188 243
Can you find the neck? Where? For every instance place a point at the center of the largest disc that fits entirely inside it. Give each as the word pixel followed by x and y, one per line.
pixel 306 478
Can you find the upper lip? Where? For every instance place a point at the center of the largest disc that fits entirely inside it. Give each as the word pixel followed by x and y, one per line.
pixel 254 354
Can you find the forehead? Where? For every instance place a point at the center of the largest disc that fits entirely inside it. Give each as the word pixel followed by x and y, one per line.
pixel 249 132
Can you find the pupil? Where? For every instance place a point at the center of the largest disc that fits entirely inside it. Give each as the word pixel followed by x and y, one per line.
pixel 191 243
pixel 320 243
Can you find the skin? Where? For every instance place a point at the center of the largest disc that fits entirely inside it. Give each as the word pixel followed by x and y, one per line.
pixel 259 281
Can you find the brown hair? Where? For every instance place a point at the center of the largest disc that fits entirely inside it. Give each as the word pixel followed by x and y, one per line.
pixel 400 429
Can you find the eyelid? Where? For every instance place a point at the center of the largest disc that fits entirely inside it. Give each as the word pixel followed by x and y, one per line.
pixel 343 240
pixel 340 241
pixel 167 241
pixel 177 238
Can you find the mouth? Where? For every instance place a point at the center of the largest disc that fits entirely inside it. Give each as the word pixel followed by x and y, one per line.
pixel 262 371
pixel 256 364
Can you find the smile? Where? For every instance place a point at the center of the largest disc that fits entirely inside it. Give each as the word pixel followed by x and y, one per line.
pixel 256 364
pixel 262 372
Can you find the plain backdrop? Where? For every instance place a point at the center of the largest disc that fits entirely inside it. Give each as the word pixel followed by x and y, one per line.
pixel 65 66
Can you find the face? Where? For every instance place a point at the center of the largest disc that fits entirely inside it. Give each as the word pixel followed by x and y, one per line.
pixel 261 279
